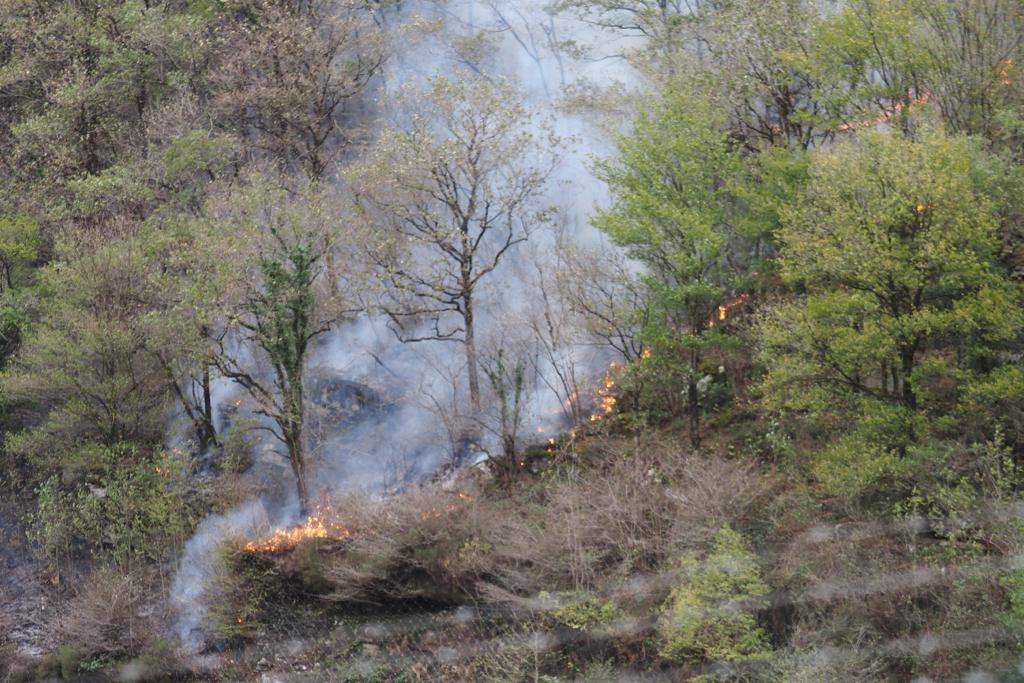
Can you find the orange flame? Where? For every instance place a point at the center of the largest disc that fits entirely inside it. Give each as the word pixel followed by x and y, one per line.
pixel 1005 71
pixel 886 116
pixel 450 507
pixel 317 525
pixel 725 308
pixel 604 397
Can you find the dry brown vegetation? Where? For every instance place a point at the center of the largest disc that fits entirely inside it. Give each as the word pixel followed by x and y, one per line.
pixel 584 529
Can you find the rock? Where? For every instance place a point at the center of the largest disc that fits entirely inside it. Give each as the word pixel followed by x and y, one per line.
pixel 263 664
pixel 294 647
pixel 375 633
pixel 132 672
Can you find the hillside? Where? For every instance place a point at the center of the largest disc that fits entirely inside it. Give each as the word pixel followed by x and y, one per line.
pixel 502 340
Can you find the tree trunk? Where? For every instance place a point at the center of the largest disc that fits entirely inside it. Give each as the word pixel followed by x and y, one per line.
pixel 907 390
pixel 207 431
pixel 292 429
pixel 296 457
pixel 471 359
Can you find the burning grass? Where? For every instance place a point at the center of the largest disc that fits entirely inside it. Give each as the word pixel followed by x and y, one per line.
pixel 558 555
pixel 322 524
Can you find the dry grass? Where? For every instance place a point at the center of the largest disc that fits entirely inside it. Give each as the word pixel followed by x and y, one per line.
pixel 113 613
pixel 586 529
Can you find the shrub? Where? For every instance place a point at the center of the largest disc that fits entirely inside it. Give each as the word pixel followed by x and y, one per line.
pixel 708 616
pixel 68 659
pixel 133 508
pixel 956 487
pixel 113 615
pixel 1013 583
pixel 856 469
pixel 582 612
pixel 242 585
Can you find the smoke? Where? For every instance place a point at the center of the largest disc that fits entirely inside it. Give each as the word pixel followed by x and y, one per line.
pixel 384 411
pixel 199 566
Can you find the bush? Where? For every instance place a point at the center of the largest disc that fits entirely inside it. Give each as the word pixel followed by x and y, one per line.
pixel 708 617
pixel 957 489
pixel 68 659
pixel 655 384
pixel 242 586
pixel 855 469
pixel 131 508
pixel 113 615
pixel 583 612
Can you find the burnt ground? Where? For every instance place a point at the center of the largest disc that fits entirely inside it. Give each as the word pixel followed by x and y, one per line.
pixel 24 596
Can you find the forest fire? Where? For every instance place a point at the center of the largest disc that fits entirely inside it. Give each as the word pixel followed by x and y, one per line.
pixel 887 116
pixel 1006 71
pixel 605 398
pixel 317 525
pixel 725 309
pixel 433 513
pixel 320 525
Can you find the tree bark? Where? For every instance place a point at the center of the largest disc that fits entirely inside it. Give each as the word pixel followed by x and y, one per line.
pixel 296 456
pixel 207 433
pixel 471 356
pixel 291 428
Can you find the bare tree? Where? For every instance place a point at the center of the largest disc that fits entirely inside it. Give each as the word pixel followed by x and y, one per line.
pixel 456 189
pixel 608 298
pixel 294 71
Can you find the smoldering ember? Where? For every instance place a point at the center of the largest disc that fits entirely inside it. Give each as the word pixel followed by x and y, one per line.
pixel 511 340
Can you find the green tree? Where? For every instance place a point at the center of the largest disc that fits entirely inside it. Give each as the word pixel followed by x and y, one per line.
pixel 893 244
pixel 709 616
pixel 272 290
pixel 19 245
pixel 672 211
pixel 87 371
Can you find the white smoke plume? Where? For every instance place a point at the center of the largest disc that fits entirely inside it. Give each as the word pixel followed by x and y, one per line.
pixel 399 435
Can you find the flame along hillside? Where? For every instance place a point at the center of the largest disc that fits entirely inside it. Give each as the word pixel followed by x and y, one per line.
pixel 324 525
pixel 605 399
pixel 319 525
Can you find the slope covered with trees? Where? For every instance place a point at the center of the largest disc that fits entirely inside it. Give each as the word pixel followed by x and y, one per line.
pixel 314 368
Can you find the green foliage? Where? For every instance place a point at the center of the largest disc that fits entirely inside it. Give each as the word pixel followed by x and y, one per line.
pixel 128 507
pixel 954 485
pixel 283 314
pixel 857 469
pixel 651 385
pixel 708 616
pixel 584 612
pixel 994 399
pixel 1013 583
pixel 672 211
pixel 93 367
pixel 243 585
pixel 896 246
pixel 14 325
pixel 19 245
pixel 68 659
